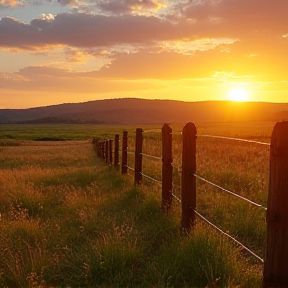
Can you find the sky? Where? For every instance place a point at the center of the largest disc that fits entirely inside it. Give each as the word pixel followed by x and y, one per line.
pixel 70 51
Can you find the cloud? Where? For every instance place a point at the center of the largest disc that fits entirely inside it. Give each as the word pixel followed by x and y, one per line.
pixel 230 19
pixel 46 16
pixel 88 31
pixel 41 78
pixel 240 16
pixel 67 2
pixel 123 6
pixel 165 65
pixel 205 37
pixel 10 3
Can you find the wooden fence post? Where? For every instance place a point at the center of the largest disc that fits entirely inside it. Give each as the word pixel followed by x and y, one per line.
pixel 100 149
pixel 138 157
pixel 275 272
pixel 106 151
pixel 110 151
pixel 188 181
pixel 116 151
pixel 95 144
pixel 103 149
pixel 167 168
pixel 124 152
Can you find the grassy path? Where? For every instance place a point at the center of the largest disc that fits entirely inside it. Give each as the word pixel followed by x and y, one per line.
pixel 69 220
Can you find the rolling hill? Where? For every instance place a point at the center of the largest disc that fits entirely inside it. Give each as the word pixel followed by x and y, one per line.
pixel 141 111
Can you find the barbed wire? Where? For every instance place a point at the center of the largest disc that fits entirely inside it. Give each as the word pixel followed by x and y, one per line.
pixel 229 236
pixel 235 139
pixel 230 192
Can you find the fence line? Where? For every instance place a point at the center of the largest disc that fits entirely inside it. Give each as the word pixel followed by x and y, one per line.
pixel 230 192
pixel 229 236
pixel 276 255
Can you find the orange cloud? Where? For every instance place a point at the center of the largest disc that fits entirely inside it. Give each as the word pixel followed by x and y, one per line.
pixel 11 3
pixel 62 80
pixel 125 6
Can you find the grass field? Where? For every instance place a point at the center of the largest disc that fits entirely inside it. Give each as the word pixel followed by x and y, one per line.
pixel 72 221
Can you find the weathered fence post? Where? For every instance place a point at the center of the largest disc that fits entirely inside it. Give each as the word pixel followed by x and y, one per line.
pixel 124 152
pixel 103 149
pixel 99 149
pixel 107 151
pixel 95 144
pixel 110 151
pixel 116 151
pixel 276 257
pixel 138 156
pixel 188 181
pixel 167 168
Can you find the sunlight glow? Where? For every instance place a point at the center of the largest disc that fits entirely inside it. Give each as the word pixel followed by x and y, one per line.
pixel 238 94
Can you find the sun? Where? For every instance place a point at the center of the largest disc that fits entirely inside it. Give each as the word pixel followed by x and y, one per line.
pixel 238 94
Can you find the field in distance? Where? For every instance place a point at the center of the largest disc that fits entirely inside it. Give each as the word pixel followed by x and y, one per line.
pixel 60 132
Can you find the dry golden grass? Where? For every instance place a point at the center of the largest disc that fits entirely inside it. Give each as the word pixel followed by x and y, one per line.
pixel 69 219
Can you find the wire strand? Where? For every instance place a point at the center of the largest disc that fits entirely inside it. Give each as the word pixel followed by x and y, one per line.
pixel 148 177
pixel 151 156
pixel 235 139
pixel 156 130
pixel 230 192
pixel 178 199
pixel 129 167
pixel 229 236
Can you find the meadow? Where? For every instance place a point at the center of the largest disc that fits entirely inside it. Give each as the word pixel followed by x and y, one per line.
pixel 68 219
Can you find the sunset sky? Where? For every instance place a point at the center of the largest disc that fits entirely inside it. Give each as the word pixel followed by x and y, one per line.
pixel 59 51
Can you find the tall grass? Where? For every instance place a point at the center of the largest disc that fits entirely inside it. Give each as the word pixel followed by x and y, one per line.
pixel 70 220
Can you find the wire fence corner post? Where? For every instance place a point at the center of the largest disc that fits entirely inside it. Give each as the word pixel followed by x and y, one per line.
pixel 124 152
pixel 116 151
pixel 167 169
pixel 276 255
pixel 138 157
pixel 188 181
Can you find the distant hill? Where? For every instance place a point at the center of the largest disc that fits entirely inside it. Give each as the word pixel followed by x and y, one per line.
pixel 141 111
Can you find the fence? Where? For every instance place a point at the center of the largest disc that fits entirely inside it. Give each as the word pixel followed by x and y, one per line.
pixel 276 254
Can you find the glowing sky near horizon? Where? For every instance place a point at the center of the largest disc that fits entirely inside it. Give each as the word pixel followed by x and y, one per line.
pixel 59 51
